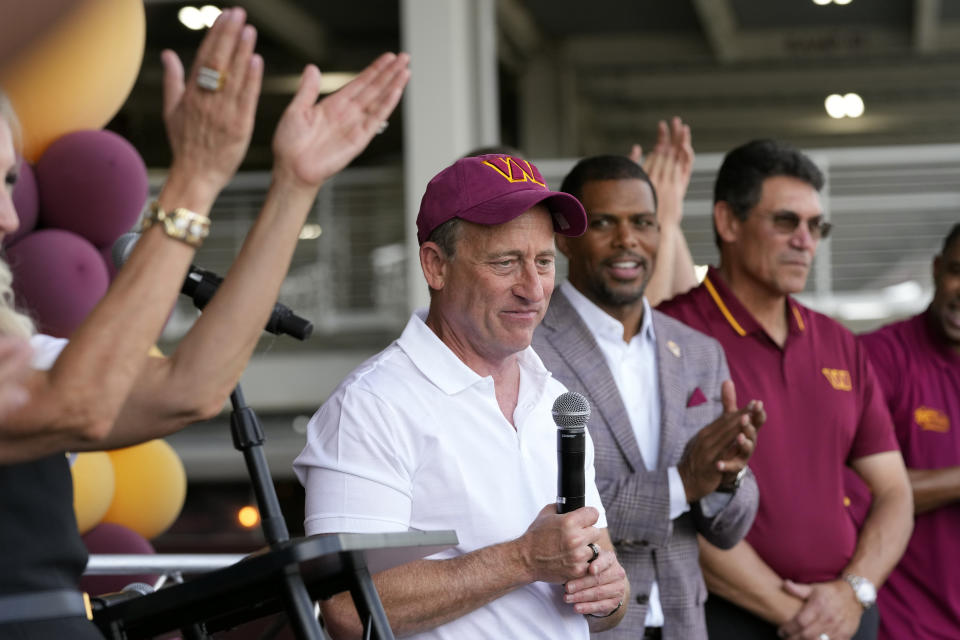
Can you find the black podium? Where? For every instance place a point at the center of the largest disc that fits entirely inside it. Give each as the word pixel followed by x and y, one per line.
pixel 256 586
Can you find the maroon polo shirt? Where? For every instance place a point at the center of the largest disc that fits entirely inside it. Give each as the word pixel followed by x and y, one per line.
pixel 920 377
pixel 824 409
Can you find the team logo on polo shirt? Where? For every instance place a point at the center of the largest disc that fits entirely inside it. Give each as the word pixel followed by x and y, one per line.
pixel 839 379
pixel 515 170
pixel 931 419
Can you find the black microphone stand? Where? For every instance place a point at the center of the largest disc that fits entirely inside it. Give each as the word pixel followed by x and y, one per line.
pixel 248 439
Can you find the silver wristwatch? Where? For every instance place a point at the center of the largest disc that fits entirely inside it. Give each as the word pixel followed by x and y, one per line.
pixel 735 484
pixel 863 589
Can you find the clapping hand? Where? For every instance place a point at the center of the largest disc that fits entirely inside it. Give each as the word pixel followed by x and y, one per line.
pixel 209 125
pixel 315 140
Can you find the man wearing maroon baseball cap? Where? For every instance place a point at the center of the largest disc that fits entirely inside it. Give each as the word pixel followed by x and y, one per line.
pixel 493 189
pixel 450 428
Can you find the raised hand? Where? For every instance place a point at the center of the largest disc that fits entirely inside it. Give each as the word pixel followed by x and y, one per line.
pixel 315 140
pixel 719 450
pixel 670 167
pixel 209 129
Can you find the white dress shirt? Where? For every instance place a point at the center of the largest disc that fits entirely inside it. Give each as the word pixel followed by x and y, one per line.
pixel 413 438
pixel 633 366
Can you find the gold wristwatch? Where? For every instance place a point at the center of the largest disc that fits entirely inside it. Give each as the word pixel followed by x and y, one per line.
pixel 181 224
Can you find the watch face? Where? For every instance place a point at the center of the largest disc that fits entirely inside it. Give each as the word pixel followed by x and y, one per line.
pixel 866 593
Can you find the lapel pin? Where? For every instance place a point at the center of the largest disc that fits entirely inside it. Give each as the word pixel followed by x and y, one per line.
pixel 674 348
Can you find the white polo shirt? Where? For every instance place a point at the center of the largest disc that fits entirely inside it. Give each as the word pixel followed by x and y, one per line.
pixel 413 438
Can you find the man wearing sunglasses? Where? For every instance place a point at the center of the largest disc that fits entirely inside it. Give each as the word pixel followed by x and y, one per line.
pixel 803 570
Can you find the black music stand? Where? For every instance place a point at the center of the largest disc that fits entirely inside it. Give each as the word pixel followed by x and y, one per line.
pixel 254 587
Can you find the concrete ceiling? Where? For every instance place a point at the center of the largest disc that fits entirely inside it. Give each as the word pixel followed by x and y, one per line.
pixel 586 77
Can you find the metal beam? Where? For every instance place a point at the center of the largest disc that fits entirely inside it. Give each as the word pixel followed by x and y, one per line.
pixel 719 23
pixel 926 25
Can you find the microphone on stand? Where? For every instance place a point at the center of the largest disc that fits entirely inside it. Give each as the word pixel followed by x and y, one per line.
pixel 571 411
pixel 200 285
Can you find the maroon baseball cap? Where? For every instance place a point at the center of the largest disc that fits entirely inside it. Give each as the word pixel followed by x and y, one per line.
pixel 494 189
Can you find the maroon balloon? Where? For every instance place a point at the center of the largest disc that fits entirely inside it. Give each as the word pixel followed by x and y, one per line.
pixel 93 183
pixel 58 277
pixel 25 201
pixel 108 537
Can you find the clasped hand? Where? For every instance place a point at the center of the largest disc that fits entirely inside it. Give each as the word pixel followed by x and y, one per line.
pixel 555 550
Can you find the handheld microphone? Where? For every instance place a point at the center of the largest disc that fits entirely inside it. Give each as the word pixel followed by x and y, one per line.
pixel 129 592
pixel 571 411
pixel 200 285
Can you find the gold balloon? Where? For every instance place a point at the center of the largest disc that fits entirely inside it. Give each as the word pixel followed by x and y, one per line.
pixel 151 487
pixel 93 486
pixel 78 75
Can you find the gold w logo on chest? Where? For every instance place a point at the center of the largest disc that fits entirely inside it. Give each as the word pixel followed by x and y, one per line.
pixel 839 379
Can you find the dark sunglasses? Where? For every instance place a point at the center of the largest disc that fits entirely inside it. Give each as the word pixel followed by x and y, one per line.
pixel 786 222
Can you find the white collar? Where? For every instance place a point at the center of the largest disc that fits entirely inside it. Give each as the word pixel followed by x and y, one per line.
pixel 443 367
pixel 601 323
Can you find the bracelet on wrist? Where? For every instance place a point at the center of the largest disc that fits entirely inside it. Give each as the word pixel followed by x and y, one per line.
pixel 607 615
pixel 180 224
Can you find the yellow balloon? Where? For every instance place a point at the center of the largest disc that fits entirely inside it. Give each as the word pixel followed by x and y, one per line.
pixel 79 74
pixel 93 485
pixel 151 488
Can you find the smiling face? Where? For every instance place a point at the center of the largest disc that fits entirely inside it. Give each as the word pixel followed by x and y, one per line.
pixel 611 263
pixel 774 260
pixel 946 297
pixel 492 294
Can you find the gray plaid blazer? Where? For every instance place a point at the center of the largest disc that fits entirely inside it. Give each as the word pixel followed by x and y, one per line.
pixel 637 501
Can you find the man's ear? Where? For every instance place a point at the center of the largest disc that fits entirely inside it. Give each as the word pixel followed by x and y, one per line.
pixel 434 264
pixel 563 244
pixel 726 221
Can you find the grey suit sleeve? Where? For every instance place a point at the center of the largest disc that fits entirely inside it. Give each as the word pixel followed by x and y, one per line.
pixel 727 527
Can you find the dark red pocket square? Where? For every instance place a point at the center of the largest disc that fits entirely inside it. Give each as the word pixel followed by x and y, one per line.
pixel 696 398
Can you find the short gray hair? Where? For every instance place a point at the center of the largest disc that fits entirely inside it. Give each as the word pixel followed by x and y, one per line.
pixel 446 236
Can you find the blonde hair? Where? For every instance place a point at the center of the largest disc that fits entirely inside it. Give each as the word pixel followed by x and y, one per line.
pixel 12 322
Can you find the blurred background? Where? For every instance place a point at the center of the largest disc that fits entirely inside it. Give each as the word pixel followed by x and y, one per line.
pixel 559 79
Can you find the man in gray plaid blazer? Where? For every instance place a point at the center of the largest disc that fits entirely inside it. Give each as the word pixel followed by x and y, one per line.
pixel 671 447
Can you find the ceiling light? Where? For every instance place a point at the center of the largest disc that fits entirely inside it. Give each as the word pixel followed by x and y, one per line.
pixel 846 106
pixel 836 106
pixel 196 19
pixel 191 18
pixel 210 14
pixel 821 2
pixel 854 105
pixel 842 2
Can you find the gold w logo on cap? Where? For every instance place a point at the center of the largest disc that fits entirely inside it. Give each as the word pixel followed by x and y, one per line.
pixel 514 170
pixel 839 379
